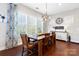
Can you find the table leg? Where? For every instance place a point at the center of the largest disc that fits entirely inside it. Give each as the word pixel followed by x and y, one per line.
pixel 40 53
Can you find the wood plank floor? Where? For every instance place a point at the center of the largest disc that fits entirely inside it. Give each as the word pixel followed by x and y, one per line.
pixel 64 49
pixel 61 49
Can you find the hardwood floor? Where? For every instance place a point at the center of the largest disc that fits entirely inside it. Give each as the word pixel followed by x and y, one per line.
pixel 61 49
pixel 16 51
pixel 64 49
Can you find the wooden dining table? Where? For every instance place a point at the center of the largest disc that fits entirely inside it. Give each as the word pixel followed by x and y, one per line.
pixel 40 39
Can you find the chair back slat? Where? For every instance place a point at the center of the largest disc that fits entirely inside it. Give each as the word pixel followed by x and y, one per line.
pixel 24 39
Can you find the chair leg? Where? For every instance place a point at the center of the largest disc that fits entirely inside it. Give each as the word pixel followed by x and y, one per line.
pixel 30 52
pixel 27 51
pixel 22 50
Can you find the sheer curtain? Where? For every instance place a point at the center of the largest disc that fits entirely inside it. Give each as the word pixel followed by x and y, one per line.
pixel 20 24
pixel 39 25
pixel 31 25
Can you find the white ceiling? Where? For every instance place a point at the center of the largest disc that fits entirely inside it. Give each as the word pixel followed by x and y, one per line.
pixel 52 8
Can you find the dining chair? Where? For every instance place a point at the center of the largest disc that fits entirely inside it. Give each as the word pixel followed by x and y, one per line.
pixel 26 45
pixel 46 40
pixel 53 38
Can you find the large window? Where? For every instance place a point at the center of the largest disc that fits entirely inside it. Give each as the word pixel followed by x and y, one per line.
pixel 27 24
pixel 31 25
pixel 39 25
pixel 20 23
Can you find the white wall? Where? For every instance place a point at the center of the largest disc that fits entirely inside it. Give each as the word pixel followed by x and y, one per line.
pixel 3 11
pixel 71 23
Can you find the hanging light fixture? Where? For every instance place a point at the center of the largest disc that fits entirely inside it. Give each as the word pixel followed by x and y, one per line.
pixel 45 17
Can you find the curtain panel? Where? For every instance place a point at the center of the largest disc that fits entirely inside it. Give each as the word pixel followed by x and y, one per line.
pixel 10 38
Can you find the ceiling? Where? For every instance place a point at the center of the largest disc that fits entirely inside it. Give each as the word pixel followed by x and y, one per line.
pixel 52 8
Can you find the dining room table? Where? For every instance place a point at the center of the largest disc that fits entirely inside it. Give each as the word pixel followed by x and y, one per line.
pixel 39 38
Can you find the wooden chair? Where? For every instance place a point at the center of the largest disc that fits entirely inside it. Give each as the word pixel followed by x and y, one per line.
pixel 54 34
pixel 26 45
pixel 53 38
pixel 46 40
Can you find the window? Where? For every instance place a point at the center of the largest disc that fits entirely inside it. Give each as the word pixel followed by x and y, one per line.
pixel 20 23
pixel 39 25
pixel 30 25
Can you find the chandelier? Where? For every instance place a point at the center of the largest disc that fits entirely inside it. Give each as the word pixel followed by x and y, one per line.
pixel 45 17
